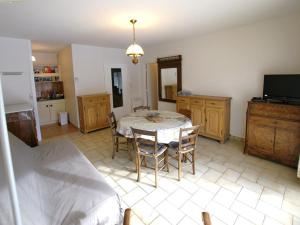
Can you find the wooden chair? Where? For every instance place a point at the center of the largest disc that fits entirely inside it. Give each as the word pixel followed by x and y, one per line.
pixel 206 218
pixel 117 137
pixel 147 146
pixel 127 215
pixel 186 112
pixel 185 148
pixel 135 109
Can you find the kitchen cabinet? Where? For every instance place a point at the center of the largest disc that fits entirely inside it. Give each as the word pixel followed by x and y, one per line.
pixel 48 110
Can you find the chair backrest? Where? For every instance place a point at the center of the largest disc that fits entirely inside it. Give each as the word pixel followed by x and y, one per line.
pixel 135 109
pixel 188 138
pixel 145 138
pixel 112 122
pixel 186 112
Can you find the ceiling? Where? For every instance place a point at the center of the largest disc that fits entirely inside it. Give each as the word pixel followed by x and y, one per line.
pixel 106 23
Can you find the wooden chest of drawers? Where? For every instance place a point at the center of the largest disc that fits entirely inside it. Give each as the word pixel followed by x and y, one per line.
pixel 93 111
pixel 273 132
pixel 211 113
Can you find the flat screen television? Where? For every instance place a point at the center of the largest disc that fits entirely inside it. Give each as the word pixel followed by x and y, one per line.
pixel 282 87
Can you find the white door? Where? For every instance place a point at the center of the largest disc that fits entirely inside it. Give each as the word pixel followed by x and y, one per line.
pixel 125 81
pixel 44 113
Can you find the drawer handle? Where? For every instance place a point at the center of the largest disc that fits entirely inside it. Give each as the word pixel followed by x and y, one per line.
pixel 212 103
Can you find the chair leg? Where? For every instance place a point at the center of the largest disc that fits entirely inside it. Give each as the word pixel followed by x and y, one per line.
pixel 117 144
pixel 139 167
pixel 114 148
pixel 167 160
pixel 145 161
pixel 193 161
pixel 156 169
pixel 129 150
pixel 179 165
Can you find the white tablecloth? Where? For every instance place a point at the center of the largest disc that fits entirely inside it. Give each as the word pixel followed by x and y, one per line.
pixel 167 130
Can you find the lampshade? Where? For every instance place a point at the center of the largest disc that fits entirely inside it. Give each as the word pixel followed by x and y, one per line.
pixel 134 50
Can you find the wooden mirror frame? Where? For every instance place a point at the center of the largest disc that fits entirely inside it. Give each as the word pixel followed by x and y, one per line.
pixel 169 62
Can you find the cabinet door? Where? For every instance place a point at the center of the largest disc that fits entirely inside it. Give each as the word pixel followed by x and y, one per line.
pixel 103 112
pixel 44 113
pixel 198 116
pixel 91 116
pixel 260 136
pixel 55 108
pixel 182 105
pixel 213 124
pixel 287 143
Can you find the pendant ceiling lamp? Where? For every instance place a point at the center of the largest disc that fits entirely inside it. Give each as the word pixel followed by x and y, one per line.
pixel 134 50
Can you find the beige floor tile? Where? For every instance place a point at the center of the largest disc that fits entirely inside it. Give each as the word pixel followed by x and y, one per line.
pixel 218 169
pixel 187 221
pixel 135 220
pixel 202 197
pixel 248 213
pixel 291 208
pixel 272 197
pixel 274 213
pixel 159 221
pixel 156 197
pixel 241 221
pixel 221 212
pixel 248 197
pixel 296 220
pixel 271 184
pixel 134 196
pixel 292 196
pixel 224 197
pixel 212 175
pixel 145 212
pixel 234 187
pixel 170 212
pixel 209 186
pixel 231 175
pixel 192 210
pixel 270 221
pixel 179 197
pixel 217 166
pixel 250 185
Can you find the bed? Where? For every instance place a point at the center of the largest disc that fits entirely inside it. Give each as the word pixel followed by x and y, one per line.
pixel 57 185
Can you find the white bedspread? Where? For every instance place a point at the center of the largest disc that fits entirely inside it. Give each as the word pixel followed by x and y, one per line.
pixel 57 185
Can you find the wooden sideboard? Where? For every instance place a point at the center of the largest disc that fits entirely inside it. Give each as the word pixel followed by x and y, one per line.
pixel 21 122
pixel 273 132
pixel 93 111
pixel 210 112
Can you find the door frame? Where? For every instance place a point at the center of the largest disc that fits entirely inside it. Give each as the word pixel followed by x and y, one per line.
pixel 126 108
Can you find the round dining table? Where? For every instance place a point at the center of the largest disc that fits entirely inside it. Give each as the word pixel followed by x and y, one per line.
pixel 166 123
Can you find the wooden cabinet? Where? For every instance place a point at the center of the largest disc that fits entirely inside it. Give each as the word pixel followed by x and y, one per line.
pixel 48 110
pixel 93 111
pixel 211 113
pixel 273 132
pixel 22 125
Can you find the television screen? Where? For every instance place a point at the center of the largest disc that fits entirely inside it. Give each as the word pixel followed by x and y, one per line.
pixel 282 86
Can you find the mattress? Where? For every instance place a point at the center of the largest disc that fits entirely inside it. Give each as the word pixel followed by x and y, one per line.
pixel 57 185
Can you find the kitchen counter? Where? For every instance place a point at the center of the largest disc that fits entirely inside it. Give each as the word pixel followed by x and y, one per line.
pixel 18 108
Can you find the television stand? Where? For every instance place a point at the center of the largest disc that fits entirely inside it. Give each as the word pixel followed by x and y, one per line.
pixel 273 132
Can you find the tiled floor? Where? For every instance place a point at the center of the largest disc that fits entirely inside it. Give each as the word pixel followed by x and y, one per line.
pixel 234 188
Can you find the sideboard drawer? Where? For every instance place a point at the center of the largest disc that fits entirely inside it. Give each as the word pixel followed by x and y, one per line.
pixel 214 103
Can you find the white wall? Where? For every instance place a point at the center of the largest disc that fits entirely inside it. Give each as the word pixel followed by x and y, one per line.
pixel 15 56
pixel 233 62
pixel 65 62
pixel 91 65
pixel 45 58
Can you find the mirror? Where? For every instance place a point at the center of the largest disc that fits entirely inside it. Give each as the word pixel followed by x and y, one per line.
pixel 169 78
pixel 117 87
